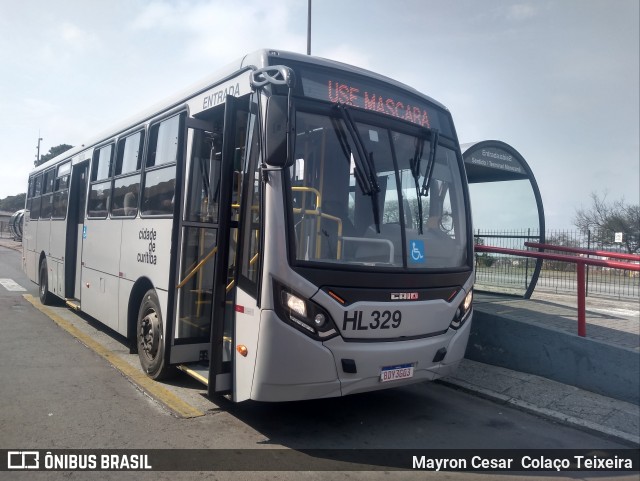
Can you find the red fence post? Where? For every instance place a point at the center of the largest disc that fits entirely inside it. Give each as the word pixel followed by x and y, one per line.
pixel 582 323
pixel 580 265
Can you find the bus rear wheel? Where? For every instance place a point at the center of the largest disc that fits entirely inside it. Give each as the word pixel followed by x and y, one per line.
pixel 45 296
pixel 150 338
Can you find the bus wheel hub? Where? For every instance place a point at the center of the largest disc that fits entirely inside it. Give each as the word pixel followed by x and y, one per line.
pixel 150 333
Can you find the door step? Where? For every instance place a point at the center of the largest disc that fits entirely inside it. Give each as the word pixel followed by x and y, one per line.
pixel 73 303
pixel 197 370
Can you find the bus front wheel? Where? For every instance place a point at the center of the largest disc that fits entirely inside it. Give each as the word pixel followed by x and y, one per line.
pixel 150 337
pixel 45 296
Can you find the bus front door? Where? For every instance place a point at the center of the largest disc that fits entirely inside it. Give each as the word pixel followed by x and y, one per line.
pixel 75 233
pixel 204 328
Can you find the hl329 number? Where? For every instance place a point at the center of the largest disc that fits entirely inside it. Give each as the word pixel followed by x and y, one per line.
pixel 378 320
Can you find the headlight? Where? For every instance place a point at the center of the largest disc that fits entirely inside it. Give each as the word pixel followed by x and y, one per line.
pixel 463 311
pixel 468 299
pixel 294 303
pixel 303 314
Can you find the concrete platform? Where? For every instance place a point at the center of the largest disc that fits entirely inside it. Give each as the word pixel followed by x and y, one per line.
pixel 527 353
pixel 539 336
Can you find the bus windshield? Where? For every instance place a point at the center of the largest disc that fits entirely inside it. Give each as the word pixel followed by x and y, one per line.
pixel 370 191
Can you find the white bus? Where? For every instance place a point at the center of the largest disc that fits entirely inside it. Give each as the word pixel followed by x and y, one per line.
pixel 292 228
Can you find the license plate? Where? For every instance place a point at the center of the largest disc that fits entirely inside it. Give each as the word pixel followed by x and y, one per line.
pixel 395 373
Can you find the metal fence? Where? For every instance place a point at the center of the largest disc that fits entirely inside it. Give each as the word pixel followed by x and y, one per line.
pixel 510 274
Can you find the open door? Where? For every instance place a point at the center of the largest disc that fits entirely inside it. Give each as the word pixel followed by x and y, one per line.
pixel 75 232
pixel 205 279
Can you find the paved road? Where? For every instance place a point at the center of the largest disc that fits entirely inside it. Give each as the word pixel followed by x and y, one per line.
pixel 56 393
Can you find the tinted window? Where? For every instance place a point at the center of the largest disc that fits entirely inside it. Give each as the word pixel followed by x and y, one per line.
pixel 99 196
pixel 61 191
pixel 101 163
pixel 129 154
pixel 100 190
pixel 47 196
pixel 160 175
pixel 163 142
pixel 37 190
pixel 159 191
pixel 126 192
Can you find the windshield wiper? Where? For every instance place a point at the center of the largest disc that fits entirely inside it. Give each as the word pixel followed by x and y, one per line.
pixel 365 164
pixel 415 171
pixel 367 158
pixel 346 148
pixel 432 158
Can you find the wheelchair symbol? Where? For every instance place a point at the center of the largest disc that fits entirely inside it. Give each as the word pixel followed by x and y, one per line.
pixel 417 251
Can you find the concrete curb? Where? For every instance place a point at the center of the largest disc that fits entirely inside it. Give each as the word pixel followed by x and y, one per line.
pixel 582 424
pixel 11 244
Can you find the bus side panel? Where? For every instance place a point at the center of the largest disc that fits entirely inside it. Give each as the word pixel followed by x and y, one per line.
pixel 100 296
pixel 58 239
pixel 101 245
pixel 247 328
pixel 29 247
pixel 163 297
pixel 54 268
pixel 58 242
pixel 31 265
pixel 146 251
pixel 124 292
pixel 42 237
pixel 100 254
pixel 31 262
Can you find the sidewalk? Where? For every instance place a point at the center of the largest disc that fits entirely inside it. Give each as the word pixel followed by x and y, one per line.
pixel 10 244
pixel 612 323
pixel 550 399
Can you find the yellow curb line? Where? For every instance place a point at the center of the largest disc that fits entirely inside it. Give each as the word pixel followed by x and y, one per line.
pixel 153 388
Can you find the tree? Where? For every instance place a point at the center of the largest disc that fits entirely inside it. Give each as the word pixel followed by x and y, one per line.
pixel 562 239
pixel 484 259
pixel 53 152
pixel 12 203
pixel 605 218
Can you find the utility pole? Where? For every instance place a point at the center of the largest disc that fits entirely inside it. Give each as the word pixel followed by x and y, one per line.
pixel 38 146
pixel 309 28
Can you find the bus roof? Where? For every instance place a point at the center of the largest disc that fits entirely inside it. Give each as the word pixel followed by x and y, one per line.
pixel 255 60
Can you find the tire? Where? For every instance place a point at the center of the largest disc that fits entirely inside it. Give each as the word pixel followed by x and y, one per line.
pixel 150 338
pixel 45 296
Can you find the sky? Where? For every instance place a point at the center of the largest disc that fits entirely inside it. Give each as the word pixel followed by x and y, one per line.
pixel 558 80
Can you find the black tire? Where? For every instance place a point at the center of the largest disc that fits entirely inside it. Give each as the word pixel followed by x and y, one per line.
pixel 150 338
pixel 45 296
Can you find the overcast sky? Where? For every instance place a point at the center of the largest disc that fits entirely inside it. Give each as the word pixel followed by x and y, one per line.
pixel 556 79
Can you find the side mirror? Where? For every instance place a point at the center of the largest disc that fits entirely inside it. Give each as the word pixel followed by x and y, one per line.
pixel 279 132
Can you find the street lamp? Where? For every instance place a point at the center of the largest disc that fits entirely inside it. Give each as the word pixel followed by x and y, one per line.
pixel 38 147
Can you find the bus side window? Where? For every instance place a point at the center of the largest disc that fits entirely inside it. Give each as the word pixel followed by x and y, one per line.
pixel 35 201
pixel 126 186
pixel 47 194
pixel 251 245
pixel 29 194
pixel 61 191
pixel 100 190
pixel 160 167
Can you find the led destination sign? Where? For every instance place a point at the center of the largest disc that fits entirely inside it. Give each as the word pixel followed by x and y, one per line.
pixel 495 158
pixel 342 93
pixel 340 88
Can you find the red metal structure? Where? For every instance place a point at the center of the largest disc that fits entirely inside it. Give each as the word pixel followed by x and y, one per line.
pixel 578 250
pixel 578 260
